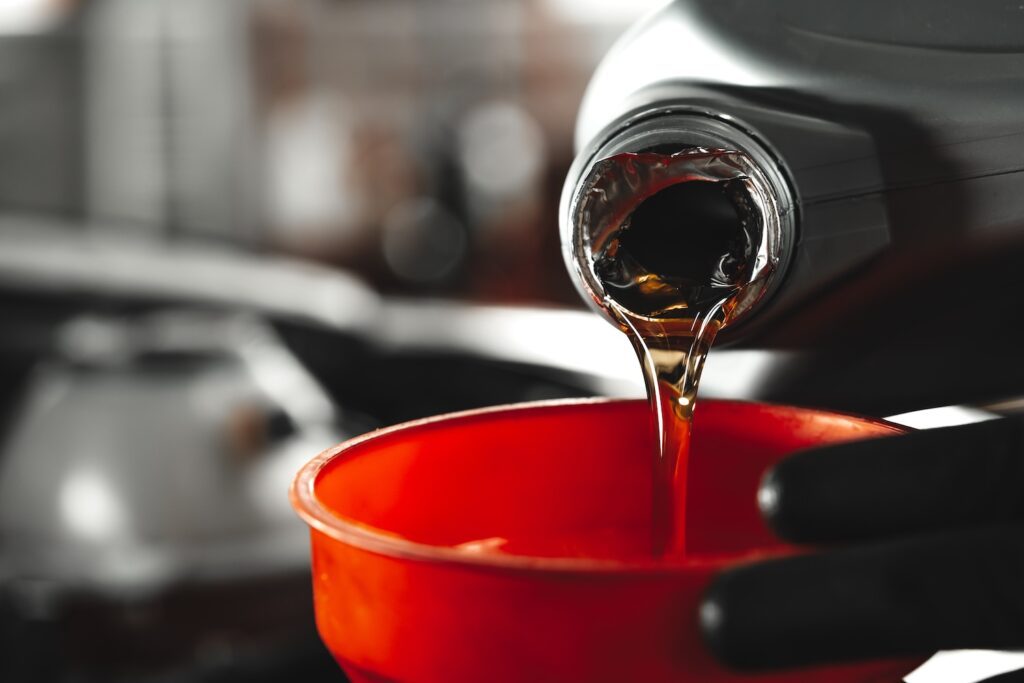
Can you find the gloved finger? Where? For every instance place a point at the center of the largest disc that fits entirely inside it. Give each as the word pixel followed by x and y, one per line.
pixel 935 592
pixel 918 482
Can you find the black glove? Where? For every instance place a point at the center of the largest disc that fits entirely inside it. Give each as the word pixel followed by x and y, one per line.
pixel 932 558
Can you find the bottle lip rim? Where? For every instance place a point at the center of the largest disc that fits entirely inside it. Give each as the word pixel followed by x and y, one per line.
pixel 684 126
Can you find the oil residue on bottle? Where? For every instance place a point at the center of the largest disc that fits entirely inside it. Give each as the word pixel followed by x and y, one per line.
pixel 673 247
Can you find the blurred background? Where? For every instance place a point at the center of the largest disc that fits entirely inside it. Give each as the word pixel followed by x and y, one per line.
pixel 420 146
pixel 233 233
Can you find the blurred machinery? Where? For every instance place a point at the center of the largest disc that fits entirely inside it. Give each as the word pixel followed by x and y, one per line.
pixel 166 365
pixel 157 402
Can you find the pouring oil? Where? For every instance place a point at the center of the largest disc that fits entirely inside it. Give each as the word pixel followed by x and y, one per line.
pixel 672 247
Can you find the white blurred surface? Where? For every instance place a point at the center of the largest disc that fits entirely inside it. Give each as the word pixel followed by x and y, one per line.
pixel 966 666
pixel 576 341
pixel 944 416
pixel 28 16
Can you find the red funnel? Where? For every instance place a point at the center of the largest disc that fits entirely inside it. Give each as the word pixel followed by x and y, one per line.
pixel 513 544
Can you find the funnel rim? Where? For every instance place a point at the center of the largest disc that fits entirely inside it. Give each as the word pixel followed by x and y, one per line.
pixel 371 539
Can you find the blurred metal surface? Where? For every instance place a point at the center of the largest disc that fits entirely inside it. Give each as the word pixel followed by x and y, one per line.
pixel 143 516
pixel 76 262
pixel 154 450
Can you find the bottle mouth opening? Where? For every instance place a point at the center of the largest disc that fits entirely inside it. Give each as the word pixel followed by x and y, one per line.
pixel 694 236
pixel 668 217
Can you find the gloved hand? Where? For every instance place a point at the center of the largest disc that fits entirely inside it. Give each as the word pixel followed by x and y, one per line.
pixel 928 530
